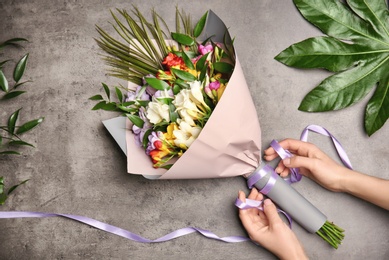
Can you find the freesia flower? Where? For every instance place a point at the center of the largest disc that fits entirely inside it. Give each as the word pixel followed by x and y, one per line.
pixel 140 132
pixel 186 134
pixel 138 94
pixel 186 108
pixel 205 49
pixel 173 61
pixel 197 95
pixel 214 85
pixel 157 112
pixel 164 93
pixel 165 75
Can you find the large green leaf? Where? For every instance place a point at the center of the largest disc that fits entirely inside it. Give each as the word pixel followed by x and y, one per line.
pixel 356 48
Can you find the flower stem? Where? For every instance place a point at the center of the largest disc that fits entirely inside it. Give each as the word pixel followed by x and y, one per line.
pixel 331 233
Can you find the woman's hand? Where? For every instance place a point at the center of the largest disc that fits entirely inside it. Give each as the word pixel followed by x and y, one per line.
pixel 267 228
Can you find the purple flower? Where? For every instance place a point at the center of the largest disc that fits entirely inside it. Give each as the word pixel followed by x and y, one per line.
pixel 154 136
pixel 139 94
pixel 140 132
pixel 164 93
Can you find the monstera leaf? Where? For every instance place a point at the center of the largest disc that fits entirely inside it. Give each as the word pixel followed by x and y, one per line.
pixel 356 49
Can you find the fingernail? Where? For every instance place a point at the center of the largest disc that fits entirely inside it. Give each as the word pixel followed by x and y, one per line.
pixel 286 161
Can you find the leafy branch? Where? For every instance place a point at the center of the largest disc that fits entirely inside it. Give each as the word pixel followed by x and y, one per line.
pixel 356 49
pixel 10 132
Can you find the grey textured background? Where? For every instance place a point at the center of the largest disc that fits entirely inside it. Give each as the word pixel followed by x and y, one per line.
pixel 77 168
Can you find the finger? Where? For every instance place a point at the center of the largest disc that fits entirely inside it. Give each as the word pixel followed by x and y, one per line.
pixel 300 162
pixel 271 212
pixel 259 196
pixel 242 196
pixel 253 194
pixel 299 147
pixel 280 168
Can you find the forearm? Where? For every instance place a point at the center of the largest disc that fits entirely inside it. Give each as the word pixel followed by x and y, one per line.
pixel 369 188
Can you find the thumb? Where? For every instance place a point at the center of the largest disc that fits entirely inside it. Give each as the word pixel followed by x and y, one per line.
pixel 271 212
pixel 299 162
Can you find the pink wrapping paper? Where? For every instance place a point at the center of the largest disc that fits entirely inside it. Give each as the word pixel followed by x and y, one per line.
pixel 229 144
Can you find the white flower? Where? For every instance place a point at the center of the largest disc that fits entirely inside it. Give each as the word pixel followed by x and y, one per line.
pixel 157 111
pixel 196 93
pixel 186 108
pixel 186 134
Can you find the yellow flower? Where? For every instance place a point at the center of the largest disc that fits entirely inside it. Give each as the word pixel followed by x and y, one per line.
pixel 169 136
pixel 220 91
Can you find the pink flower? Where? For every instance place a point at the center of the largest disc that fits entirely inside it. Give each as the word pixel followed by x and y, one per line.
pixel 214 85
pixel 205 49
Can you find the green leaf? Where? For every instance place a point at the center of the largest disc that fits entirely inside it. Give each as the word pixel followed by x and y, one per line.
pixel 145 140
pixel 20 142
pixel 109 106
pixel 173 113
pixel 96 97
pixel 357 49
pixel 1 184
pixel 15 186
pixel 200 25
pixel 99 105
pixel 325 52
pixel 10 152
pixel 344 89
pixel 176 89
pixel 13 41
pixel 29 125
pixel 20 68
pixel 3 62
pixel 202 62
pixel 3 198
pixel 223 67
pixel 377 113
pixel 13 94
pixel 107 91
pixel 157 83
pixel 187 61
pixel 136 120
pixel 119 94
pixel 12 121
pixel 183 39
pixel 183 75
pixel 3 82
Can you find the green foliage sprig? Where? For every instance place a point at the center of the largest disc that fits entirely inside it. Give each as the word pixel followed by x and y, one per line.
pixel 10 132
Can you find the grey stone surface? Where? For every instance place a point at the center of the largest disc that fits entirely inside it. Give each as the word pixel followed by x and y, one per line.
pixel 77 168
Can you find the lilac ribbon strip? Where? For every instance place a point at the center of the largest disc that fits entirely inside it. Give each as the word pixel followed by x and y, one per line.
pixel 249 204
pixel 122 232
pixel 339 149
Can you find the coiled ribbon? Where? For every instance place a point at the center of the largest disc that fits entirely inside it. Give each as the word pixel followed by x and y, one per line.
pixel 188 230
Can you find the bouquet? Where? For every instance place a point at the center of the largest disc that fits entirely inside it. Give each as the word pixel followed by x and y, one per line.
pixel 188 110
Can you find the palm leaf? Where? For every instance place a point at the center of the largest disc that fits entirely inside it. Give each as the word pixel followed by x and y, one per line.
pixel 141 46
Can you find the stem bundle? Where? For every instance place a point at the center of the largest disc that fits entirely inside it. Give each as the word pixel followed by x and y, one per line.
pixel 331 233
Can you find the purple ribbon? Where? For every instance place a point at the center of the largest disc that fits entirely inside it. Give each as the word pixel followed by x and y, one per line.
pixel 249 204
pixel 122 232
